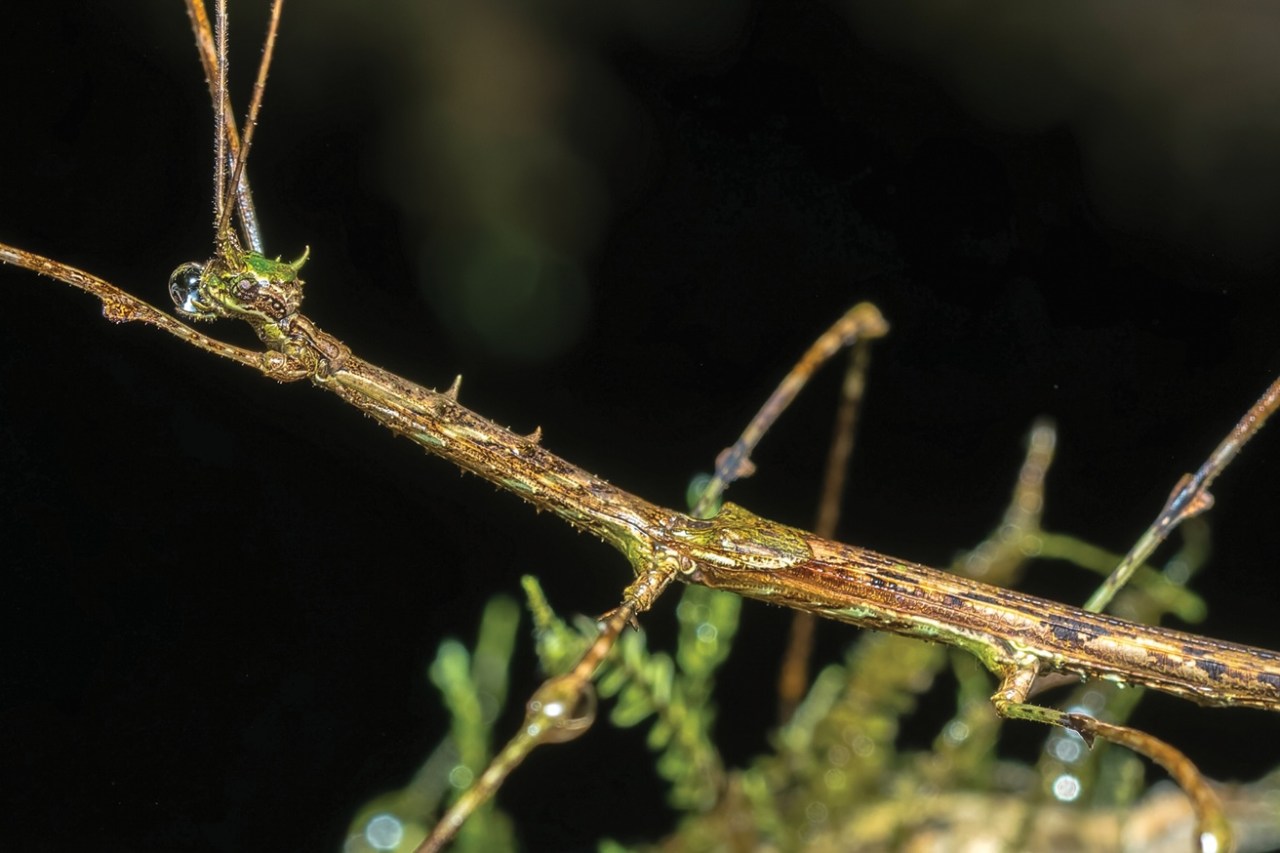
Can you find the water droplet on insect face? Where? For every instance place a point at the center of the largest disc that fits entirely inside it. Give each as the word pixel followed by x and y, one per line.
pixel 184 288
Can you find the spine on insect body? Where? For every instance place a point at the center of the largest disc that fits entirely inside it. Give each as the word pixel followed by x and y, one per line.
pixel 517 463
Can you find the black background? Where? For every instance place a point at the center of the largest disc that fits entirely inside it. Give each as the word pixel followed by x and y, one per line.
pixel 220 594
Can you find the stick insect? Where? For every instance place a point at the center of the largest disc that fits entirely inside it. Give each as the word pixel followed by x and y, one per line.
pixel 182 497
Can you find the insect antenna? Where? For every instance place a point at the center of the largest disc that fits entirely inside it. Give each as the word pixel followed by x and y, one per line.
pixel 220 122
pixel 226 186
pixel 227 190
pixel 206 47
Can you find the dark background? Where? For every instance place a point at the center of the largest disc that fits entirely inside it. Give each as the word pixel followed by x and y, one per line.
pixel 221 594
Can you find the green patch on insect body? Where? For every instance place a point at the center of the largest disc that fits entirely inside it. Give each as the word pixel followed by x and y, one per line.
pixel 428 439
pixel 737 539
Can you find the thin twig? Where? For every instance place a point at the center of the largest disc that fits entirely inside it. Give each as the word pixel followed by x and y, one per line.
pixel 1189 498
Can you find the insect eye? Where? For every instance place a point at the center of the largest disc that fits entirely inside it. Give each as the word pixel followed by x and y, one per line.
pixel 184 287
pixel 246 288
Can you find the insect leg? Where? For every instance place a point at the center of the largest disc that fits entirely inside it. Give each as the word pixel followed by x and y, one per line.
pixel 1213 832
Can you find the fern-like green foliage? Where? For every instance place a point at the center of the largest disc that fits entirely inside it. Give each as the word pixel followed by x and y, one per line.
pixel 474 688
